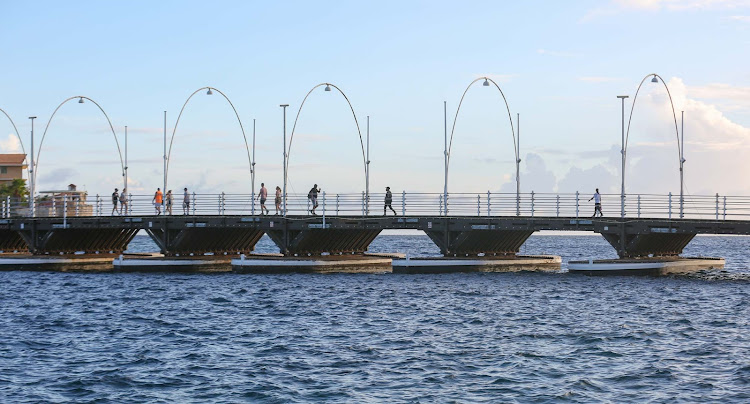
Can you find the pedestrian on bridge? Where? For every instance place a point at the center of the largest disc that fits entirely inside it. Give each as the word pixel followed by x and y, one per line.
pixel 263 195
pixel 185 202
pixel 388 201
pixel 277 200
pixel 115 198
pixel 124 202
pixel 597 203
pixel 168 209
pixel 158 201
pixel 313 197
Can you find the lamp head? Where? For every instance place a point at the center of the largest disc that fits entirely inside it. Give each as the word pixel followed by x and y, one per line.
pixel 80 100
pixel 209 92
pixel 486 83
pixel 328 87
pixel 654 80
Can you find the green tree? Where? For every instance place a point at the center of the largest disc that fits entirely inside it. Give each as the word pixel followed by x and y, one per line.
pixel 16 189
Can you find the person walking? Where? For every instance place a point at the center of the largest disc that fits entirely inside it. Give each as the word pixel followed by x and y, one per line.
pixel 158 200
pixel 263 195
pixel 185 202
pixel 597 203
pixel 168 210
pixel 115 198
pixel 124 202
pixel 313 197
pixel 277 199
pixel 388 201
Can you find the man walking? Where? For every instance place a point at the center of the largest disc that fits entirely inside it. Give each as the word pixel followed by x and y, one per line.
pixel 388 201
pixel 158 200
pixel 597 203
pixel 115 198
pixel 185 202
pixel 313 197
pixel 263 195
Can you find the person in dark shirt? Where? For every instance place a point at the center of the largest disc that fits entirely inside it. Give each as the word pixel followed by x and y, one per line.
pixel 388 201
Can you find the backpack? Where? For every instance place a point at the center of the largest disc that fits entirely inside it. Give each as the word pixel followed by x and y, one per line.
pixel 309 194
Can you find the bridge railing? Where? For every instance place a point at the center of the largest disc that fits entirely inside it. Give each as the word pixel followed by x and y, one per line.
pixel 490 204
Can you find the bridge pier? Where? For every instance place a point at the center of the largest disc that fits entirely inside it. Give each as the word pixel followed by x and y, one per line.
pixel 205 240
pixel 468 242
pixel 81 240
pixel 316 241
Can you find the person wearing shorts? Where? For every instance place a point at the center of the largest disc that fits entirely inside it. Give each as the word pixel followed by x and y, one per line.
pixel 158 200
pixel 185 202
pixel 313 197
pixel 597 203
pixel 123 202
pixel 263 195
pixel 277 199
pixel 115 198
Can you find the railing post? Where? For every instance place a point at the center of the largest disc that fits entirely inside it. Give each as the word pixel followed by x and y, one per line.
pixel 670 205
pixel 98 206
pixel 130 205
pixel 725 208
pixel 682 198
pixel 252 203
pixel 639 206
pixel 558 205
pixel 488 204
pixel 223 203
pixel 4 216
pixel 324 209
pixel 363 203
pixel 219 204
pixel 77 200
pixel 337 204
pixel 518 204
pixel 578 203
pixel 440 205
pixel 532 203
pixel 403 203
pixel 717 206
pixel 194 204
pixel 478 206
pixel 65 211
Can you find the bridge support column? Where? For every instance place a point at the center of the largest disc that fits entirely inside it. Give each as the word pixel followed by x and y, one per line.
pixel 479 241
pixel 323 240
pixel 649 244
pixel 202 240
pixel 69 241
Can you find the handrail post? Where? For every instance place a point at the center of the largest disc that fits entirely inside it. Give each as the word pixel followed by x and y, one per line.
pixel 337 204
pixel 488 204
pixel 440 205
pixel 403 203
pixel 725 207
pixel 363 203
pixel 223 203
pixel 558 205
pixel 578 203
pixel 717 206
pixel 478 206
pixel 194 199
pixel 77 200
pixel 518 204
pixel 252 203
pixel 682 199
pixel 98 206
pixel 4 216
pixel 670 205
pixel 639 205
pixel 324 209
pixel 65 211
pixel 130 205
pixel 532 203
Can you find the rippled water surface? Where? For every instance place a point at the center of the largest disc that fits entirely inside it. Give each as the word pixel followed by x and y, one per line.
pixel 526 337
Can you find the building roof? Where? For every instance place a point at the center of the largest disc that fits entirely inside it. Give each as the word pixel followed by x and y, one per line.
pixel 12 159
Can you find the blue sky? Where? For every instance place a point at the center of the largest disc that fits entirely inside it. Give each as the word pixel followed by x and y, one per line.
pixel 560 65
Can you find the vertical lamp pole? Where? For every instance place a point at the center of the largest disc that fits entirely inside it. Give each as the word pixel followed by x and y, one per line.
pixel 445 157
pixel 682 161
pixel 622 152
pixel 164 190
pixel 284 106
pixel 367 168
pixel 518 164
pixel 32 175
pixel 125 174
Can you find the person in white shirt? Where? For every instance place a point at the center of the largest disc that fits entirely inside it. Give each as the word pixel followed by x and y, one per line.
pixel 597 203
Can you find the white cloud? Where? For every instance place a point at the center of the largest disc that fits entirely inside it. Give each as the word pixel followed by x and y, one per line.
pixel 740 18
pixel 10 144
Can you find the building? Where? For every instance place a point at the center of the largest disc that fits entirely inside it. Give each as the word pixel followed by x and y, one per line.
pixel 11 167
pixel 68 202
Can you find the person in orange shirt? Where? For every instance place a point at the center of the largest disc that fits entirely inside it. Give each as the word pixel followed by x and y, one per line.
pixel 158 199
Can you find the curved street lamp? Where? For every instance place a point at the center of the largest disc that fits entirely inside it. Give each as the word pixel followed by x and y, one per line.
pixel 35 165
pixel 655 78
pixel 23 149
pixel 516 142
pixel 168 153
pixel 356 122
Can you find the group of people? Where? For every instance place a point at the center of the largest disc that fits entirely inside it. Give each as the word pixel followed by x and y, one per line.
pixel 312 196
pixel 167 201
pixel 120 198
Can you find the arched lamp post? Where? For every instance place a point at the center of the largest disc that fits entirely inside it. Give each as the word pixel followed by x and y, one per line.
pixel 35 164
pixel 449 144
pixel 287 150
pixel 680 136
pixel 168 152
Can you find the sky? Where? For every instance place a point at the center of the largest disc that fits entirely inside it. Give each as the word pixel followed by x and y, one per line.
pixel 560 66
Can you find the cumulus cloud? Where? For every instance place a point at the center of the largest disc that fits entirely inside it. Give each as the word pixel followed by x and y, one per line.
pixel 10 144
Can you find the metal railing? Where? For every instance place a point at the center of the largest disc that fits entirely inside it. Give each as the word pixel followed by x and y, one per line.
pixel 487 204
